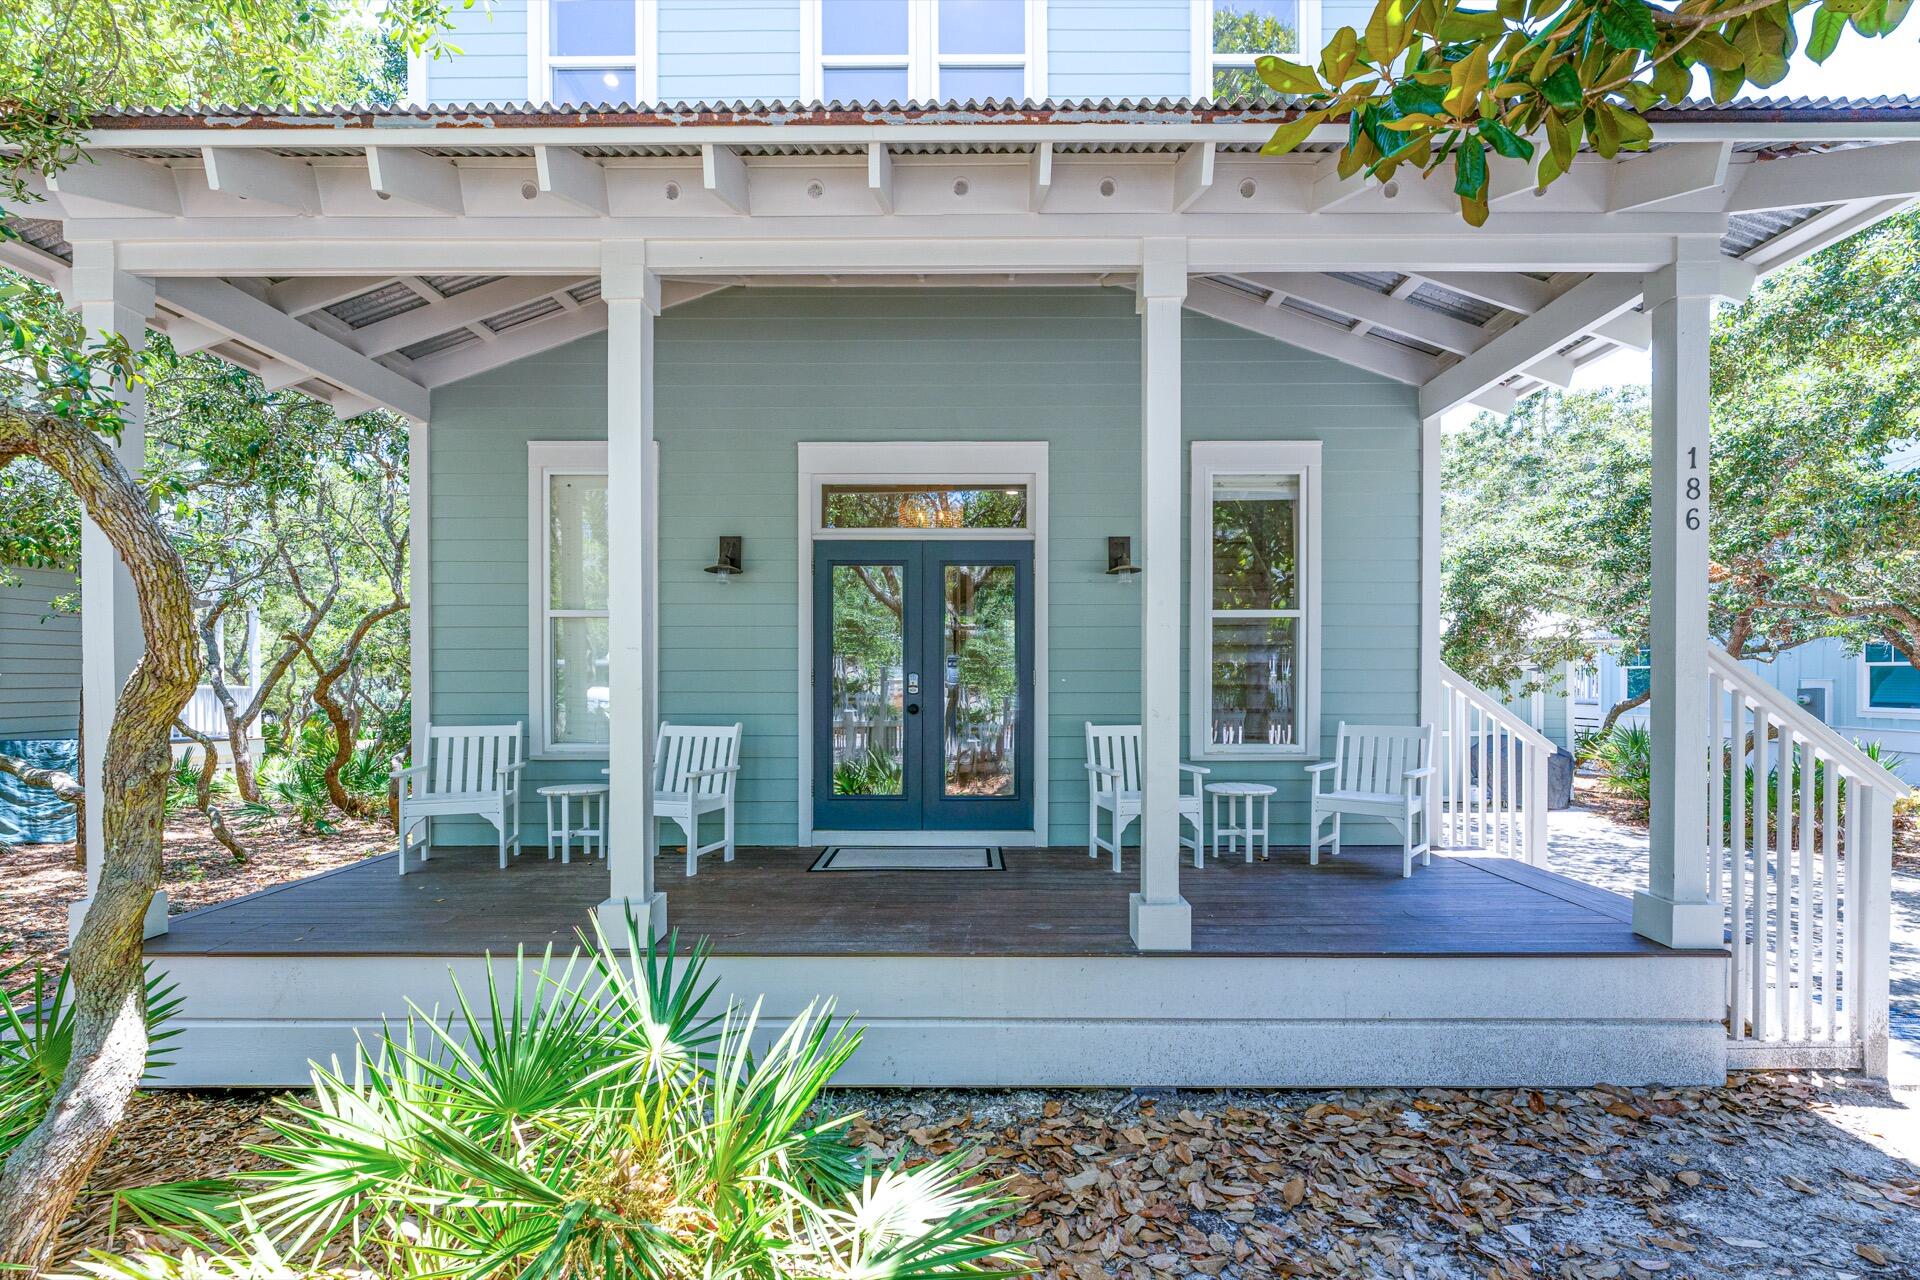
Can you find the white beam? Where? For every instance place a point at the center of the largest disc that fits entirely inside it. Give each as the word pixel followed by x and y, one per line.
pixel 260 177
pixel 565 174
pixel 880 175
pixel 1192 175
pixel 120 182
pixel 402 173
pixel 1512 291
pixel 1864 173
pixel 1819 231
pixel 1410 318
pixel 1683 169
pixel 515 344
pixel 1497 399
pixel 1040 178
pixel 30 260
pixel 1326 189
pixel 448 314
pixel 221 306
pixel 1235 308
pixel 1579 310
pixel 1628 329
pixel 724 173
pixel 346 405
pixel 1556 369
pixel 301 295
pixel 278 375
pixel 190 336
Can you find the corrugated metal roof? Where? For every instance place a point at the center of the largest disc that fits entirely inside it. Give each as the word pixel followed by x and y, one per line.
pixel 1748 231
pixel 376 305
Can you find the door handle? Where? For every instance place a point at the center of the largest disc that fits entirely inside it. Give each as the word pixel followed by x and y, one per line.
pixel 913 708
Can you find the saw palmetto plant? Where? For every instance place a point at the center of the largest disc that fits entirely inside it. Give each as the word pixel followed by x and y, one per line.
pixel 587 1116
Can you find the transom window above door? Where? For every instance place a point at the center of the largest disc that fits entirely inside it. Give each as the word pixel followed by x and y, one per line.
pixel 923 506
pixel 920 50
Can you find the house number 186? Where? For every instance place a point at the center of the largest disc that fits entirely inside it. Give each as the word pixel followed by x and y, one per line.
pixel 1693 487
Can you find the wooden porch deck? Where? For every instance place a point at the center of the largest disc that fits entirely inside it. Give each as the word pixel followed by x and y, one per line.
pixel 1046 903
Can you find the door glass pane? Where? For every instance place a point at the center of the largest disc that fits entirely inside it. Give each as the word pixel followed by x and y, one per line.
pixel 885 506
pixel 1253 541
pixel 577 542
pixel 867 680
pixel 593 85
pixel 983 26
pixel 871 27
pixel 590 28
pixel 980 687
pixel 1255 685
pixel 982 84
pixel 864 84
pixel 580 649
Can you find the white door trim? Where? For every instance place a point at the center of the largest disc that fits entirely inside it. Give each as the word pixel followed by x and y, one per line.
pixel 926 462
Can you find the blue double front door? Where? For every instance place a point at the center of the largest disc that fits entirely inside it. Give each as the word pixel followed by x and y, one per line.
pixel 922 684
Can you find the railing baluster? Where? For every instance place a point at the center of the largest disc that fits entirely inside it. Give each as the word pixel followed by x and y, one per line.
pixel 1803 891
pixel 1760 860
pixel 1783 884
pixel 1737 969
pixel 1829 839
pixel 1716 785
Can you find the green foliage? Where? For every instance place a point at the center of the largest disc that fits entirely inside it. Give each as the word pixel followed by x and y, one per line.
pixel 592 1118
pixel 183 784
pixel 36 1039
pixel 1625 757
pixel 1425 83
pixel 1247 31
pixel 873 774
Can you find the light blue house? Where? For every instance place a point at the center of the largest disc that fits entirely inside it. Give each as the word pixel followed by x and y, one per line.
pixel 39 695
pixel 928 442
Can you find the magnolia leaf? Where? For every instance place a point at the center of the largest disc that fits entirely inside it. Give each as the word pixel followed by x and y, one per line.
pixel 1339 56
pixel 1635 134
pixel 1513 10
pixel 1407 124
pixel 1285 77
pixel 1387 30
pixel 1627 24
pixel 1563 89
pixel 1563 139
pixel 1459 26
pixel 1474 210
pixel 1713 50
pixel 1672 80
pixel 1356 157
pixel 1513 89
pixel 1606 134
pixel 1550 168
pixel 1468 80
pixel 1470 170
pixel 1505 141
pixel 1879 19
pixel 1641 95
pixel 1292 134
pixel 1828 24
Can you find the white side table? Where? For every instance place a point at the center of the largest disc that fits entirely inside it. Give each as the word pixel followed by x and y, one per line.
pixel 1240 797
pixel 592 830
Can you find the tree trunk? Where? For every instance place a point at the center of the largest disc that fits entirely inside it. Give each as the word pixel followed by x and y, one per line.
pixel 203 793
pixel 47 1170
pixel 1619 709
pixel 325 679
pixel 64 785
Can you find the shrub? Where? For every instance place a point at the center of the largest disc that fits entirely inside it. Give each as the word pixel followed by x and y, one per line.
pixel 1625 757
pixel 589 1119
pixel 874 774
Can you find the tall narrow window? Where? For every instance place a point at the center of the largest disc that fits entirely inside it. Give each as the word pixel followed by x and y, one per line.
pixel 982 52
pixel 568 568
pixel 1239 31
pixel 865 50
pixel 1893 682
pixel 592 51
pixel 1253 619
pixel 1638 669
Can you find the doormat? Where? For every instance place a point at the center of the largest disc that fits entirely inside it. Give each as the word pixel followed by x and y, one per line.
pixel 842 857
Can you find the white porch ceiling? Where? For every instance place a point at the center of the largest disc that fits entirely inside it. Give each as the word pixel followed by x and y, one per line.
pixel 358 338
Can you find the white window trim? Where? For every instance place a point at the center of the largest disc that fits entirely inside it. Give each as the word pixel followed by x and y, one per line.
pixel 923 59
pixel 546 459
pixel 1206 61
pixel 1210 458
pixel 922 462
pixel 644 62
pixel 1865 698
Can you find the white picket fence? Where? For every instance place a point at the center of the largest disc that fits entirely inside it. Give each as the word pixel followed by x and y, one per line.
pixel 1800 836
pixel 1492 773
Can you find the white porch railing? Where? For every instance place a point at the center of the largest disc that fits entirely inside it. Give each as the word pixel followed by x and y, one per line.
pixel 1800 837
pixel 203 712
pixel 1492 773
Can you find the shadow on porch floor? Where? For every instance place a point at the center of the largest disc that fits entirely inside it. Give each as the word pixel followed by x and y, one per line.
pixel 1047 902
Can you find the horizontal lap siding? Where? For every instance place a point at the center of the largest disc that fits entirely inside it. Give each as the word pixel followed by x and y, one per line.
pixel 1119 49
pixel 744 51
pixel 39 658
pixel 491 65
pixel 745 376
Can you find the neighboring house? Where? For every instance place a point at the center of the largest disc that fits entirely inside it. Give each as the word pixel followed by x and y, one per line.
pixel 39 695
pixel 1869 696
pixel 915 439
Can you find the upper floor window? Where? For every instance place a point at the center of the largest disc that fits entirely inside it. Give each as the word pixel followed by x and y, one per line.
pixel 1893 682
pixel 905 50
pixel 1638 669
pixel 1239 31
pixel 589 51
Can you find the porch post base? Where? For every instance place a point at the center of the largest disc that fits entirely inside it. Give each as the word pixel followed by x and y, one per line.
pixel 152 927
pixel 1682 925
pixel 652 916
pixel 1160 926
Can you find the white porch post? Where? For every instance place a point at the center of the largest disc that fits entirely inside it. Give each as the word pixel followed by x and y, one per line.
pixel 632 294
pixel 109 301
pixel 419 595
pixel 1676 909
pixel 1430 700
pixel 1159 918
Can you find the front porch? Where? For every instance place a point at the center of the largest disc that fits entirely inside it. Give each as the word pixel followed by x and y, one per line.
pixel 1475 971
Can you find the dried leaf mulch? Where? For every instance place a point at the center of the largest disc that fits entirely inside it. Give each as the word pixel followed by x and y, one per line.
pixel 37 881
pixel 1754 1179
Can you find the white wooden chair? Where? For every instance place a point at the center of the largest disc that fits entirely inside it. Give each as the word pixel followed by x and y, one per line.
pixel 694 769
pixel 1379 771
pixel 470 771
pixel 1113 787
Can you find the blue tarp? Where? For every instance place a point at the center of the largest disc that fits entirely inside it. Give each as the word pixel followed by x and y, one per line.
pixel 35 815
